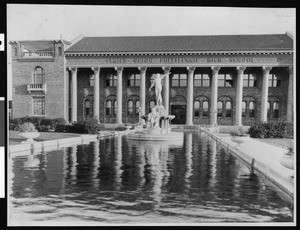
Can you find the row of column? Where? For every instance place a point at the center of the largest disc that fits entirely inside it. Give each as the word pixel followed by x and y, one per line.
pixel 190 93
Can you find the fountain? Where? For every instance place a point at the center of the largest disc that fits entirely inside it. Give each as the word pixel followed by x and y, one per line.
pixel 158 121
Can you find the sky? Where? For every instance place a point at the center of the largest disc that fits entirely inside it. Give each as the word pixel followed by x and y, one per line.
pixel 38 22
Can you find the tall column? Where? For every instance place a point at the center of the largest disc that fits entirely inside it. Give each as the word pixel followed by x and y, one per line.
pixel 143 89
pixel 96 92
pixel 74 94
pixel 166 88
pixel 190 95
pixel 264 94
pixel 214 95
pixel 239 95
pixel 290 98
pixel 119 94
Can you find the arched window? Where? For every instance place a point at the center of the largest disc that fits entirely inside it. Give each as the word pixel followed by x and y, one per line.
pixel 228 109
pixel 224 107
pixel 132 103
pixel 59 51
pixel 248 106
pixel 268 110
pixel 151 104
pixel 196 108
pixel 251 108
pixel 205 109
pixel 273 107
pixel 244 105
pixel 129 108
pixel 88 106
pixel 201 106
pixel 220 108
pixel 15 51
pixel 111 103
pixel 137 105
pixel 38 75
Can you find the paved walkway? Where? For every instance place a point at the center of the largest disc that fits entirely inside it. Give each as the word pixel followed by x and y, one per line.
pixel 264 157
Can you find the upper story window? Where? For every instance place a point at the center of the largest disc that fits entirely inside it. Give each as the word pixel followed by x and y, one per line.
pixel 179 80
pixel 111 80
pixel 152 78
pixel 134 80
pixel 250 80
pixel 225 80
pixel 274 80
pixel 15 51
pixel 92 80
pixel 201 80
pixel 38 75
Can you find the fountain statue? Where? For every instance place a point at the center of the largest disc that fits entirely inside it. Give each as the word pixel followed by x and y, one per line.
pixel 158 120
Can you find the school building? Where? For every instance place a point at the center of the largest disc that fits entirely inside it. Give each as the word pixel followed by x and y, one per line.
pixel 213 79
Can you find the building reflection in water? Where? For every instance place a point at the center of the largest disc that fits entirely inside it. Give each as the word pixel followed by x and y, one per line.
pixel 95 164
pixel 188 159
pixel 117 163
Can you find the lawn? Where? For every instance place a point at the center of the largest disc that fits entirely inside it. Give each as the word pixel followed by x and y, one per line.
pixel 280 142
pixel 15 138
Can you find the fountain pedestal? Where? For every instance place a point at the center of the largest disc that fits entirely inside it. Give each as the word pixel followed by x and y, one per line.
pixel 159 128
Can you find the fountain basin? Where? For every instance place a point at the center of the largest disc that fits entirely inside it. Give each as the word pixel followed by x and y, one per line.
pixel 156 134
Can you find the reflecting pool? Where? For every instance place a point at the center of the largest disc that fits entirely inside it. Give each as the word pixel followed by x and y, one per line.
pixel 119 181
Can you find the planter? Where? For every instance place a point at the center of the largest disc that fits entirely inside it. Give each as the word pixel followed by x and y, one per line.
pixel 29 136
pixel 287 161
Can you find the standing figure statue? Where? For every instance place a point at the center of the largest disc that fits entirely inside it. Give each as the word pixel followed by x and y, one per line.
pixel 158 87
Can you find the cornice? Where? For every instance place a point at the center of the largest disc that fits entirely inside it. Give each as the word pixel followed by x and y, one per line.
pixel 112 54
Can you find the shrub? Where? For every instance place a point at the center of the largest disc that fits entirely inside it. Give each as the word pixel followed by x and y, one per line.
pixel 92 125
pixel 279 129
pixel 234 130
pixel 27 127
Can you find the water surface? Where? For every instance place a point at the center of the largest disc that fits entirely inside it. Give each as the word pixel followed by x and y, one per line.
pixel 119 181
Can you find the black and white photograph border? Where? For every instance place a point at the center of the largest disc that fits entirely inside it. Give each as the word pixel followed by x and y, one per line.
pixel 150 115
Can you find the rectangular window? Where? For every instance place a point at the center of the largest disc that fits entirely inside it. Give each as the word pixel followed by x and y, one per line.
pixel 201 80
pixel 134 80
pixel 179 80
pixel 111 80
pixel 39 105
pixel 92 80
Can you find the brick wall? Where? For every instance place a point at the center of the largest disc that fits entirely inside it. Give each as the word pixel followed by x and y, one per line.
pixel 22 74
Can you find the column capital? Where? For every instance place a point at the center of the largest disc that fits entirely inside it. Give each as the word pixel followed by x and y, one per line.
pixel 191 68
pixel 73 69
pixel 267 68
pixel 119 69
pixel 215 68
pixel 241 69
pixel 95 69
pixel 166 68
pixel 142 68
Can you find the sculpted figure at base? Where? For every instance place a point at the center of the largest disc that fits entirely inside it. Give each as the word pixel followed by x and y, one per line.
pixel 158 87
pixel 153 118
